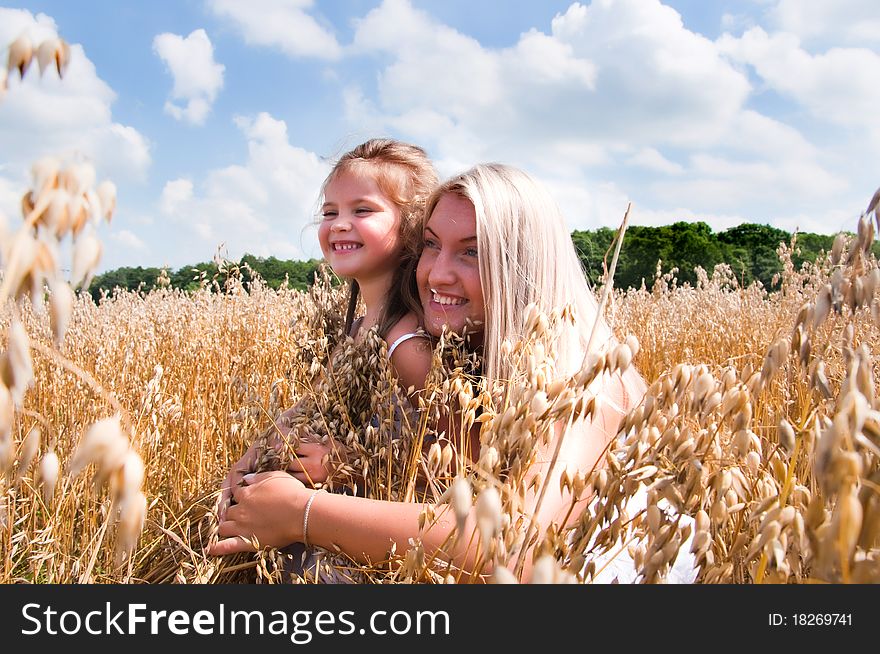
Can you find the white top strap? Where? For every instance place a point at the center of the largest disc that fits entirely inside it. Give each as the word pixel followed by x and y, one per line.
pixel 401 339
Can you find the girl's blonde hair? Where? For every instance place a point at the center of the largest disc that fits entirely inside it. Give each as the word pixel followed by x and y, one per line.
pixel 526 256
pixel 406 176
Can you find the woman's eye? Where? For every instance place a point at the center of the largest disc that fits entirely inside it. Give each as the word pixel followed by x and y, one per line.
pixel 430 243
pixel 470 252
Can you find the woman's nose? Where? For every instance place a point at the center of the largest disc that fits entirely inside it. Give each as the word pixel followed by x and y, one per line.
pixel 442 272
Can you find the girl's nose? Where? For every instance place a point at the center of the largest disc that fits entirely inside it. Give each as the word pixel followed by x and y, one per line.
pixel 340 225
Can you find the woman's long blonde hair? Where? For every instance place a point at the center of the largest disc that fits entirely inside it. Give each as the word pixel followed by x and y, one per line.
pixel 526 256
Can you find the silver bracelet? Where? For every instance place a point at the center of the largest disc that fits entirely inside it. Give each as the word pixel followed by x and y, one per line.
pixel 306 517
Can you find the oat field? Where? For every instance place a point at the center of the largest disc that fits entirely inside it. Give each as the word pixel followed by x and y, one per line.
pixel 761 424
pixel 755 450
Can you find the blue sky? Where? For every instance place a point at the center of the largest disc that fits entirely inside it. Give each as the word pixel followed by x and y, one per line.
pixel 218 119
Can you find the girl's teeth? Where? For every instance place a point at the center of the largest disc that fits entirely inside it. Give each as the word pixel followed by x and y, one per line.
pixel 345 246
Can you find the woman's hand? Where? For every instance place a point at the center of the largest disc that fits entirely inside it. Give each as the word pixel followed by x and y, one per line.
pixel 233 479
pixel 267 508
pixel 309 463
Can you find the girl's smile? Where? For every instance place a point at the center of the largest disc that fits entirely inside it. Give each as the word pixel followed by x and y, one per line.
pixel 359 230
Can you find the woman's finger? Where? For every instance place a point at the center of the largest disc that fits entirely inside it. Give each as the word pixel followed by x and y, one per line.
pixel 239 491
pixel 227 528
pixel 230 546
pixel 229 523
pixel 259 477
pixel 222 507
pixel 226 489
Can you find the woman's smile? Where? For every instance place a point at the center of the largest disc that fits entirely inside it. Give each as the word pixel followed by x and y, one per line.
pixel 448 273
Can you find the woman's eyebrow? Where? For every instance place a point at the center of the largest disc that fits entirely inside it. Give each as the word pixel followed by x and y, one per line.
pixel 467 239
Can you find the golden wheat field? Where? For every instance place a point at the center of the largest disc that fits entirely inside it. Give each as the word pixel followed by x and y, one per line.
pixel 760 426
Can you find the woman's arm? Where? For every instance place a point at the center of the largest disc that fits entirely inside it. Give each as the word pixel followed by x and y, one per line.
pixel 582 448
pixel 271 505
pixel 270 508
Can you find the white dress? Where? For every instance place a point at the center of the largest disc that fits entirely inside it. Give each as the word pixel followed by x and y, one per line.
pixel 617 566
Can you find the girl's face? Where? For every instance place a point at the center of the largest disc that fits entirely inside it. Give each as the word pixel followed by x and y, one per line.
pixel 448 274
pixel 359 231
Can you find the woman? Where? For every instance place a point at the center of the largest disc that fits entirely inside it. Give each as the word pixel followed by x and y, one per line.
pixel 494 243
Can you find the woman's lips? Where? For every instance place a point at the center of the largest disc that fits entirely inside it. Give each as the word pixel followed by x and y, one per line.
pixel 446 300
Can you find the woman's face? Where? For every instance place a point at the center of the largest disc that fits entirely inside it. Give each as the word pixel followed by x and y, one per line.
pixel 448 274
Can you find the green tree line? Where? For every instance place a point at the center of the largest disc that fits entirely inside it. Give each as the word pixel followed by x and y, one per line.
pixel 749 249
pixel 273 271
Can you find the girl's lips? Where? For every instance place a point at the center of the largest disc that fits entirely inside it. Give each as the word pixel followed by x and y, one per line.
pixel 345 246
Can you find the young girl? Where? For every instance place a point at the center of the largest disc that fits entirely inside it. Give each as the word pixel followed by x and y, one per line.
pixel 370 225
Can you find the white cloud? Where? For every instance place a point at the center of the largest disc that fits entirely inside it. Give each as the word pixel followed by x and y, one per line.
pixel 566 159
pixel 120 147
pixel 588 206
pixel 719 183
pixel 128 240
pixel 651 159
pixel 264 207
pixel 841 85
pixel 70 117
pixel 855 22
pixel 282 24
pixel 197 77
pixel 753 133
pixel 657 80
pixel 608 73
pixel 621 90
pixel 736 22
pixel 175 194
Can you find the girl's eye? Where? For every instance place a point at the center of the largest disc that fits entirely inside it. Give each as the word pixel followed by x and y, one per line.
pixel 470 252
pixel 328 214
pixel 430 243
pixel 363 210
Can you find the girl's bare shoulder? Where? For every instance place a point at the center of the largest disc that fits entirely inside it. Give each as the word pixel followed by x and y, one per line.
pixel 411 358
pixel 409 324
